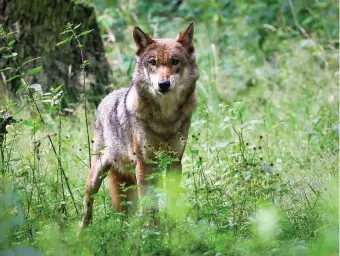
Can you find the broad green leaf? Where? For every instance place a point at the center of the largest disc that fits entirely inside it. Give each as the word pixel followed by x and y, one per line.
pixel 66 31
pixel 11 33
pixel 36 87
pixel 20 90
pixel 65 41
pixel 28 123
pixel 58 88
pixel 7 56
pixel 13 77
pixel 35 129
pixel 35 70
pixel 85 32
pixel 11 42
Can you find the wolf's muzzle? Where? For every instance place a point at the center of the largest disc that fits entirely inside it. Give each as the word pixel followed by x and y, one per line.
pixel 164 85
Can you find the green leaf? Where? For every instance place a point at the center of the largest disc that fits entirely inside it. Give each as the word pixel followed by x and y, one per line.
pixel 13 77
pixel 11 33
pixel 7 56
pixel 58 88
pixel 65 41
pixel 23 106
pixel 20 90
pixel 1 70
pixel 26 62
pixel 11 42
pixel 35 129
pixel 36 87
pixel 66 31
pixel 35 70
pixel 85 32
pixel 3 48
pixel 77 26
pixel 28 123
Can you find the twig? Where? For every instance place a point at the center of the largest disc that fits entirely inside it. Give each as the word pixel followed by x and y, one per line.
pixel 83 65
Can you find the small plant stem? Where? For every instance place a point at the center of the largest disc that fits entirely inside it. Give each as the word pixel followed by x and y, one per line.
pixel 2 148
pixel 31 97
pixel 10 153
pixel 63 207
pixel 80 46
pixel 195 184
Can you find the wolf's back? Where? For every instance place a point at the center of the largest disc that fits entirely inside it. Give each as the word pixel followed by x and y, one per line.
pixel 112 124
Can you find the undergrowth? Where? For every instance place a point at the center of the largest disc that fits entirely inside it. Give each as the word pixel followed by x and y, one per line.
pixel 260 171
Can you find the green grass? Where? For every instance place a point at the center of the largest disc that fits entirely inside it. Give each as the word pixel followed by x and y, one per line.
pixel 260 168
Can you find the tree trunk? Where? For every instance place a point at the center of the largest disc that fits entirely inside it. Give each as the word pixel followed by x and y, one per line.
pixel 38 24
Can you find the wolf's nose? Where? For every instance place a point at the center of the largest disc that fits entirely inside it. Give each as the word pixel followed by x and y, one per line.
pixel 164 85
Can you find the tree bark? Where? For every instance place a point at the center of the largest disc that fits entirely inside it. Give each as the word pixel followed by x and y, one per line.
pixel 38 24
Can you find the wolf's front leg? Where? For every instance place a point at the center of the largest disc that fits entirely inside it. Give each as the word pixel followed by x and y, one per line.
pixel 146 185
pixel 97 173
pixel 173 180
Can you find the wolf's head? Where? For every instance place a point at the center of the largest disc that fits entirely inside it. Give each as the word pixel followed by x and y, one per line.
pixel 165 67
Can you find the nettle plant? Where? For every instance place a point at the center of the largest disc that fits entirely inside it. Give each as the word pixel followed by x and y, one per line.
pixel 230 180
pixel 21 167
pixel 30 94
pixel 223 183
pixel 24 167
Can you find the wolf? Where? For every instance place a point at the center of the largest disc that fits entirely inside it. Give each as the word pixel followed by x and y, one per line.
pixel 153 113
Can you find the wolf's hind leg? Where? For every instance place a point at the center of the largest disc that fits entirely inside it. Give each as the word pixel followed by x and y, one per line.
pixel 97 173
pixel 121 190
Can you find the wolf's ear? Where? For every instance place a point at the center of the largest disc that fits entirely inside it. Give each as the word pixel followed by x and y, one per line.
pixel 185 37
pixel 142 40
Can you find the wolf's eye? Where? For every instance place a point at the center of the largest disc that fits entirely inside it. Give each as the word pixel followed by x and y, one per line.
pixel 174 62
pixel 152 62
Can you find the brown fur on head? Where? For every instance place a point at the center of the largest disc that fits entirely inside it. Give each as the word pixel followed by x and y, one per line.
pixel 168 65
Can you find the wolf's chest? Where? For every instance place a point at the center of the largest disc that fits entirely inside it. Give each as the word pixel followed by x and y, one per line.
pixel 151 146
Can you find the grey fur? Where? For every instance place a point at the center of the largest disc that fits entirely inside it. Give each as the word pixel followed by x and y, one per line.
pixel 132 122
